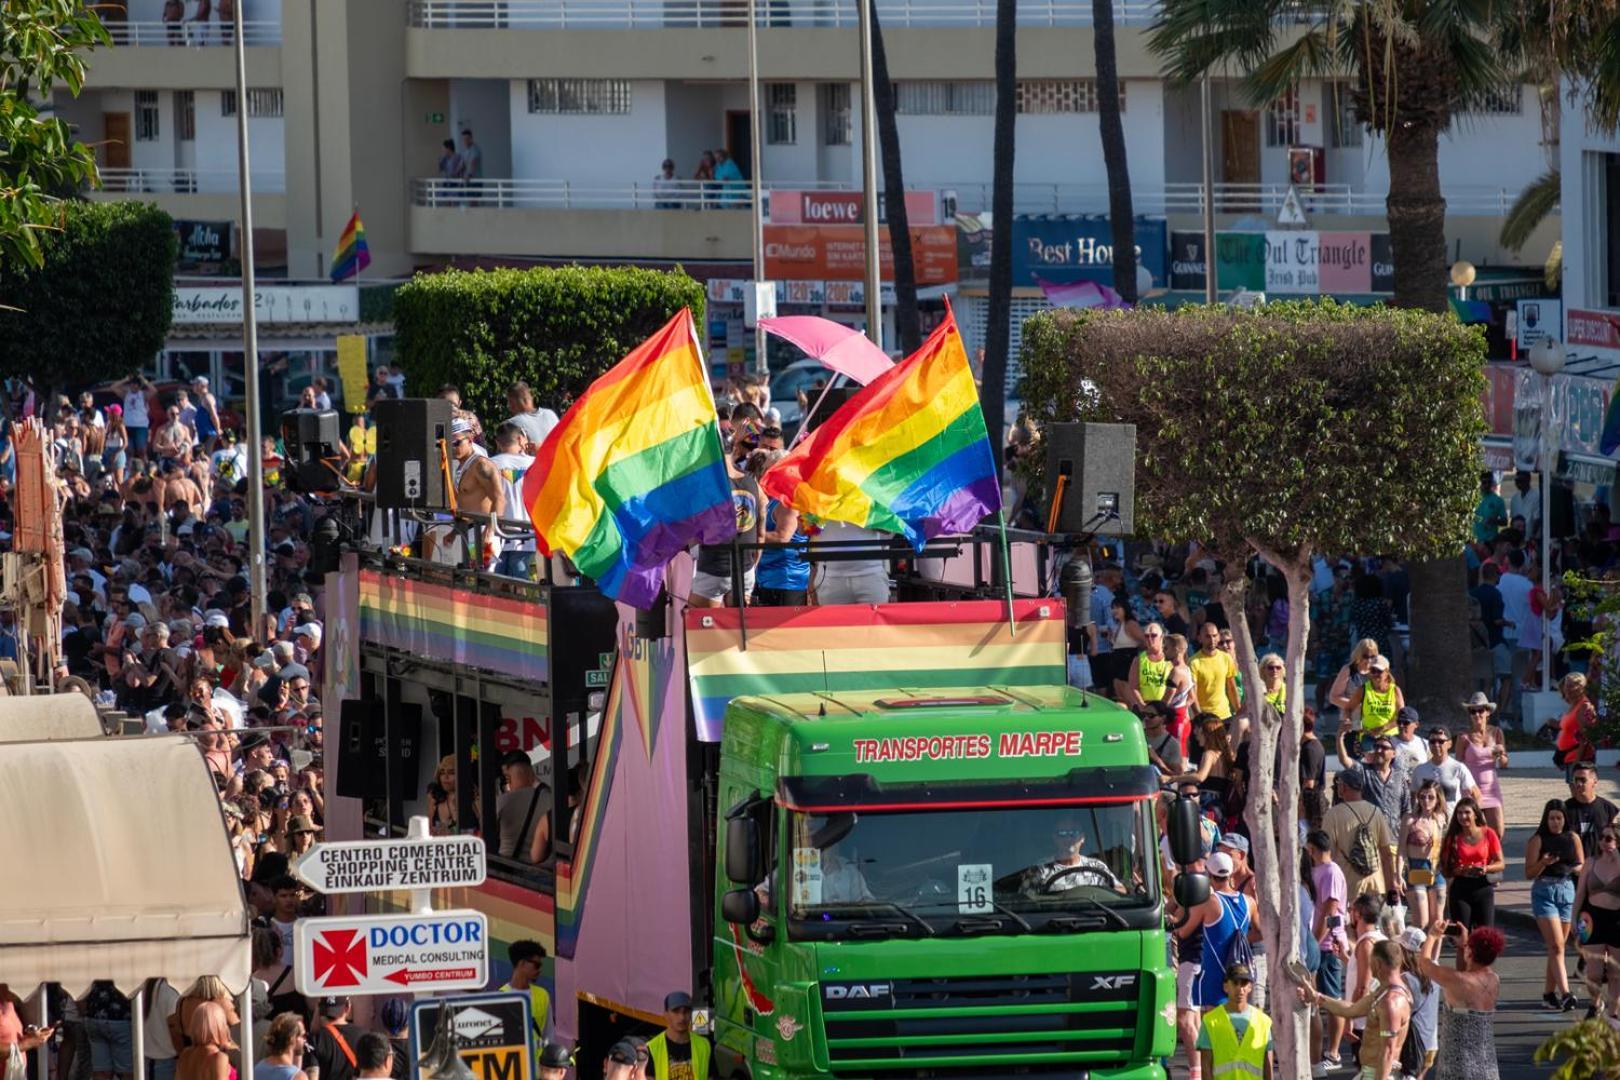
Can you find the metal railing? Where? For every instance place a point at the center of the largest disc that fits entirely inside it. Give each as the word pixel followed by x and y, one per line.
pixel 196 34
pixel 649 14
pixel 188 181
pixel 1172 198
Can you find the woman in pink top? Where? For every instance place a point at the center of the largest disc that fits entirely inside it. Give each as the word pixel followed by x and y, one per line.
pixel 1484 751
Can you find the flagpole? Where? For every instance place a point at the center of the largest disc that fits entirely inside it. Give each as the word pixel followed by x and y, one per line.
pixel 250 344
pixel 1006 572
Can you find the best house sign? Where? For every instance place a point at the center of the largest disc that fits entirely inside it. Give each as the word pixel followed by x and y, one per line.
pixel 216 305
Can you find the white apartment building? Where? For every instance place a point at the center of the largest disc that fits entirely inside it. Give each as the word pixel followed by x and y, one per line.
pixel 575 103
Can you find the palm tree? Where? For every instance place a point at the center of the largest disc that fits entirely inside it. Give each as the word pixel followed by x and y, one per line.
pixel 1112 131
pixel 998 328
pixel 894 197
pixel 1534 205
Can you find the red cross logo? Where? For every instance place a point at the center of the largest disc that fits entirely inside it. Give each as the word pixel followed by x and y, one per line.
pixel 340 958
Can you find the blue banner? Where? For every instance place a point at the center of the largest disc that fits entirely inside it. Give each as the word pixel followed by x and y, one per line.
pixel 1063 249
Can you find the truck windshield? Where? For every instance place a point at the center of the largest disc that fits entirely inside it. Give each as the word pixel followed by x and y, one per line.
pixel 1026 867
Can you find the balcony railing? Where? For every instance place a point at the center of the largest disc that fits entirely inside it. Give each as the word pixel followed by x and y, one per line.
pixel 1175 198
pixel 255 32
pixel 187 181
pixel 653 14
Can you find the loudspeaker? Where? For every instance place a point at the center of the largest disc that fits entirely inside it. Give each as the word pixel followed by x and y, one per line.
pixel 409 432
pixel 360 731
pixel 835 400
pixel 1563 510
pixel 1100 463
pixel 310 434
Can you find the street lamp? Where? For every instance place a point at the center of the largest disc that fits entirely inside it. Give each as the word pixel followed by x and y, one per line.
pixel 1462 276
pixel 1547 358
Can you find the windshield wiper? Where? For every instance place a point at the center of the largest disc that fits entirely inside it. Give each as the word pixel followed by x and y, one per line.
pixel 1013 915
pixel 1069 923
pixel 1107 912
pixel 927 927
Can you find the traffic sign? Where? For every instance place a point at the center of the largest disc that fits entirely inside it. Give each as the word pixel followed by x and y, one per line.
pixel 383 865
pixel 497 1034
pixel 384 954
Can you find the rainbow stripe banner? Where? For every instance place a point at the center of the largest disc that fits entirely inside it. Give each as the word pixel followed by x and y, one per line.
pixel 909 454
pixel 489 632
pixel 636 472
pixel 352 255
pixel 865 647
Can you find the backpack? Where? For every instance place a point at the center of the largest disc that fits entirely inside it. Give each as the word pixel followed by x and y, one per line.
pixel 1362 854
pixel 1238 949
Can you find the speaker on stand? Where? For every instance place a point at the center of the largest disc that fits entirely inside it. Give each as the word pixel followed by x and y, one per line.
pixel 1091 478
pixel 410 433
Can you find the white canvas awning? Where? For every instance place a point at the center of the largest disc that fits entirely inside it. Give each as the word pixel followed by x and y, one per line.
pixel 48 716
pixel 117 866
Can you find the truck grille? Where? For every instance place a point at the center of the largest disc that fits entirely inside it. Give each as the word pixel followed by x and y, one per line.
pixel 982 1026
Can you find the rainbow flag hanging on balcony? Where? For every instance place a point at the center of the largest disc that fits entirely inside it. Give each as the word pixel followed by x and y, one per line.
pixel 352 255
pixel 636 472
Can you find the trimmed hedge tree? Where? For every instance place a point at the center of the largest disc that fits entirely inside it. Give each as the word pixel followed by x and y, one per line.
pixel 1286 431
pixel 556 329
pixel 100 305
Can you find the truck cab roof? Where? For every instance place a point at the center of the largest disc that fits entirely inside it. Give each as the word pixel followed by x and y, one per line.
pixel 888 746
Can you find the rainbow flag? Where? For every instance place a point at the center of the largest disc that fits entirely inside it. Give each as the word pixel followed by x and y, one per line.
pixel 352 255
pixel 909 454
pixel 635 472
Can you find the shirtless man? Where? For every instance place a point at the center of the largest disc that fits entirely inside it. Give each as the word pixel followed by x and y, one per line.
pixel 1389 1009
pixel 175 486
pixel 172 436
pixel 478 481
pixel 197 469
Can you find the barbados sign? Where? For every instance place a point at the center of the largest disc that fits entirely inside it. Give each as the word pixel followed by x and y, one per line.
pixel 385 954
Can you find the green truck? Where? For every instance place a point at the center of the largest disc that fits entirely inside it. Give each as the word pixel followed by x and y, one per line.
pixel 948 882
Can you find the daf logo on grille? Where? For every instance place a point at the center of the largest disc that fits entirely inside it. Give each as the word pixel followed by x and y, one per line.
pixel 1112 982
pixel 857 990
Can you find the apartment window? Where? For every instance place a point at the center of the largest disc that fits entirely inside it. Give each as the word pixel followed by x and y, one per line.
pixel 146 116
pixel 580 96
pixel 1344 131
pixel 1499 103
pixel 1282 120
pixel 837 119
pixel 185 115
pixel 941 98
pixel 1611 227
pixel 1037 96
pixel 261 103
pixel 781 114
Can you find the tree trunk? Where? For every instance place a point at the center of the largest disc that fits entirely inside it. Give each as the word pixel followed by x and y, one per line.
pixel 998 322
pixel 894 197
pixel 1272 809
pixel 1120 217
pixel 1439 672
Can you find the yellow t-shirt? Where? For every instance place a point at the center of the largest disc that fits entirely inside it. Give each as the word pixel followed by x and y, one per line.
pixel 1210 674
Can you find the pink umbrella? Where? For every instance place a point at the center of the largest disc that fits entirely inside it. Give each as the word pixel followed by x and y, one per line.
pixel 844 350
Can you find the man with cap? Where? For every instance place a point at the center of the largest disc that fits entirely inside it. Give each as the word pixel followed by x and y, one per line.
pixel 621 1062
pixel 1345 822
pixel 678 1054
pixel 1452 775
pixel 1410 747
pixel 1236 847
pixel 1226 916
pixel 555 1061
pixel 206 416
pixel 1237 1036
pixel 1378 700
pixel 523 810
pixel 1386 779
pixel 331 1045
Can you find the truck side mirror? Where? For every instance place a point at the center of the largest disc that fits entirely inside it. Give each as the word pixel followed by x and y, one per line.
pixel 742 906
pixel 1192 889
pixel 742 851
pixel 1186 832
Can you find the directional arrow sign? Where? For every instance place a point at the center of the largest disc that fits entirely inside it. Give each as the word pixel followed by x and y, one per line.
pixel 382 954
pixel 383 865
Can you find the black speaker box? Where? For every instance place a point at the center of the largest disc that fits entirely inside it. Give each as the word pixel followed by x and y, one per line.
pixel 835 400
pixel 1100 462
pixel 1563 510
pixel 310 434
pixel 360 733
pixel 409 431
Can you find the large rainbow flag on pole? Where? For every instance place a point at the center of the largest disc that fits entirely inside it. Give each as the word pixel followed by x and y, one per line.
pixel 909 454
pixel 352 254
pixel 636 472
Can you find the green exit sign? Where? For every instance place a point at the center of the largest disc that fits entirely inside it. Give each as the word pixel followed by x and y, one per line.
pixel 596 678
pixel 435 117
